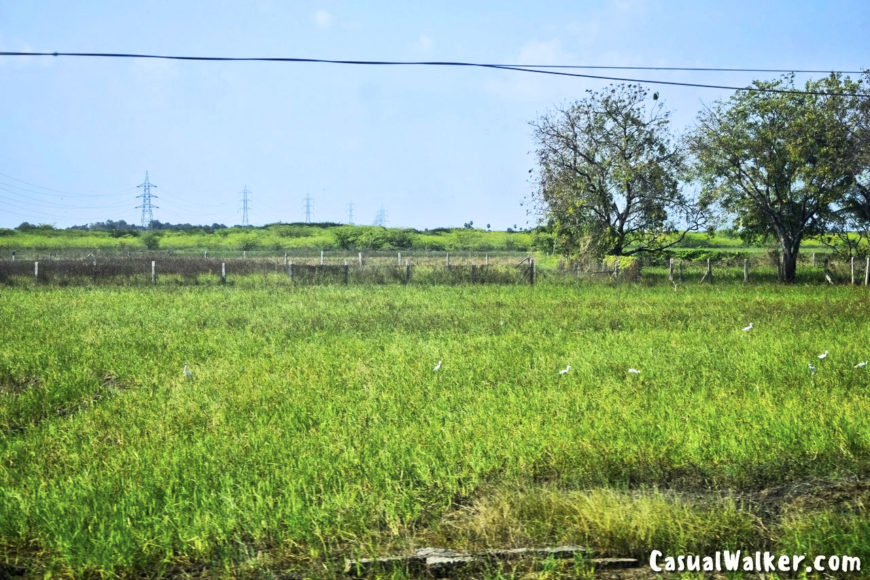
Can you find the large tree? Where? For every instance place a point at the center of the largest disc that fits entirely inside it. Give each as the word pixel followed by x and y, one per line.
pixel 779 159
pixel 609 174
pixel 851 230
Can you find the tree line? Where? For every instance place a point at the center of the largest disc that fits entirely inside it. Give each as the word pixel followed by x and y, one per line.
pixel 773 161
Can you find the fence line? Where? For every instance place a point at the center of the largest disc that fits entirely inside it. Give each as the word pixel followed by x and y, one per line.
pixel 200 269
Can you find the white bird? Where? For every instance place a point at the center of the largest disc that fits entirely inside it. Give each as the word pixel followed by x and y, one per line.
pixel 748 328
pixel 861 365
pixel 812 369
pixel 565 370
pixel 437 367
pixel 823 356
pixel 187 372
pixel 634 371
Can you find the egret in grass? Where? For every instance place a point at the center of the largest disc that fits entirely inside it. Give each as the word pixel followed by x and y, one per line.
pixel 187 372
pixel 437 367
pixel 633 371
pixel 861 365
pixel 565 370
pixel 823 356
pixel 812 369
pixel 748 328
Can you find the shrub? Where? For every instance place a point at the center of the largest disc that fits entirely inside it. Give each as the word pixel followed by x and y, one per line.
pixel 629 266
pixel 151 240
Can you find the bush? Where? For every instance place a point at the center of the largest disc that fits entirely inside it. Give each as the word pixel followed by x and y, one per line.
pixel 629 266
pixel 151 240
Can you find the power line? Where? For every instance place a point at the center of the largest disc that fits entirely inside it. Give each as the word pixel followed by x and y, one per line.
pixel 429 63
pixel 538 69
pixel 48 190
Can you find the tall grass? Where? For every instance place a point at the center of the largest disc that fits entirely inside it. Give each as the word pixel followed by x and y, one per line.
pixel 315 428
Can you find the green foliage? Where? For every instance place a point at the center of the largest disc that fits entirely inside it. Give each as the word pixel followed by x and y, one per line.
pixel 124 233
pixel 780 162
pixel 609 174
pixel 276 237
pixel 625 262
pixel 151 240
pixel 361 237
pixel 28 227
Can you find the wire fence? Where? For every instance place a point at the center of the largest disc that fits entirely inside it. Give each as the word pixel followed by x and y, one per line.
pixel 186 270
pixel 416 269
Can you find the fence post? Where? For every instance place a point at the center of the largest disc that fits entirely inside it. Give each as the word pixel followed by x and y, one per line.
pixel 153 271
pixel 486 260
pixel 205 254
pixel 680 270
pixel 814 259
pixel 708 274
pixel 867 272
pixel 359 257
pixel 223 272
pixel 531 270
pixel 745 271
pixel 473 273
pixel 245 254
pixel 852 265
pixel 290 271
pixel 36 270
pixel 285 258
pixel 407 271
pixel 671 270
pixel 447 260
pixel 399 259
pixel 321 257
pixel 346 268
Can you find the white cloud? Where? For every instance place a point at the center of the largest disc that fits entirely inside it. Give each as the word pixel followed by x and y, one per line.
pixel 323 19
pixel 424 44
pixel 532 87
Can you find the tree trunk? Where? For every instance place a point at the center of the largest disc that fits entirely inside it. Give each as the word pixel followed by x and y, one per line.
pixel 789 264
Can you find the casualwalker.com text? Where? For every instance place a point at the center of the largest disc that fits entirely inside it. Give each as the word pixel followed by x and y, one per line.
pixel 759 562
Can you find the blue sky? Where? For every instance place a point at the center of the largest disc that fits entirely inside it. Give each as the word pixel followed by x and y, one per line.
pixel 432 146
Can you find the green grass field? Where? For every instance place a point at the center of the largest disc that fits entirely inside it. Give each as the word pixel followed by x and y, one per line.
pixel 314 427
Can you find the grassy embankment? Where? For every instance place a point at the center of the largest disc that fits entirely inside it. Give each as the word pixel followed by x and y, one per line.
pixel 314 427
pixel 266 240
pixel 307 239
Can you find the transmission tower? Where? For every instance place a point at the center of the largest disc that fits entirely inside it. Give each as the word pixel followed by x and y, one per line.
pixel 350 213
pixel 245 193
pixel 381 217
pixel 307 209
pixel 147 207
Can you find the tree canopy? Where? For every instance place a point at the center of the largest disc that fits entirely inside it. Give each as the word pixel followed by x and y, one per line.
pixel 781 162
pixel 609 174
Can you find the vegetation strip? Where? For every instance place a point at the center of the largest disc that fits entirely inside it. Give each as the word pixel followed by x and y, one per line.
pixel 314 428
